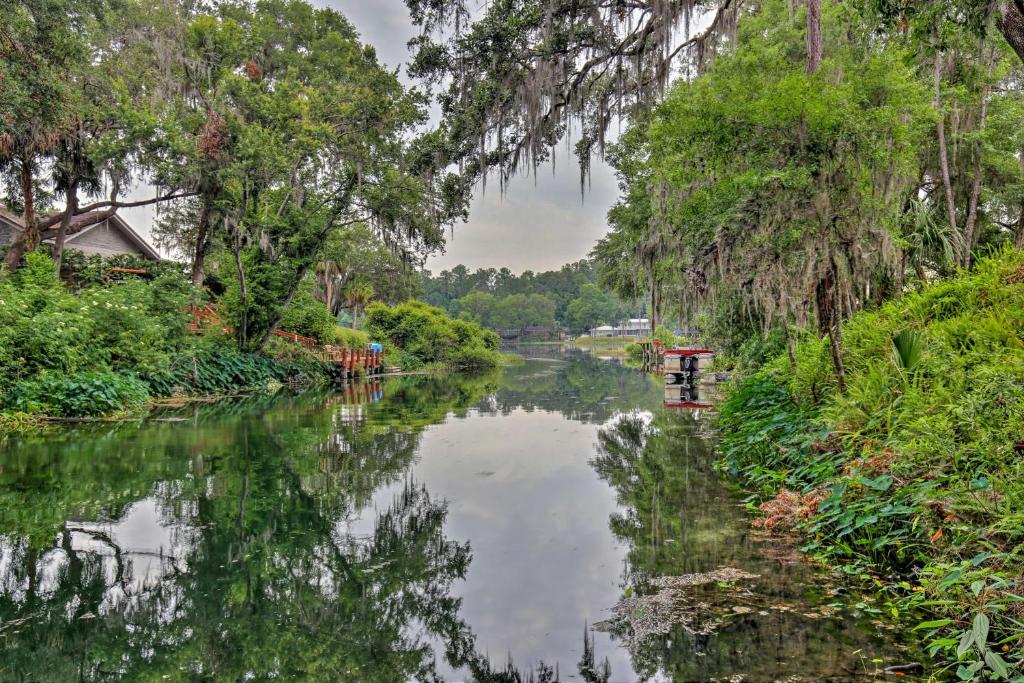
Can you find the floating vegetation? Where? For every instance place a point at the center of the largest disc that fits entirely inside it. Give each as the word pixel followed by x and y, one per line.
pixel 675 602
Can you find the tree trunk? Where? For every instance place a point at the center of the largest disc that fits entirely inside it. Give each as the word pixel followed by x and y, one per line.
pixel 287 302
pixel 943 154
pixel 790 348
pixel 814 45
pixel 28 239
pixel 243 326
pixel 829 320
pixel 972 208
pixel 202 243
pixel 835 346
pixel 1011 24
pixel 682 307
pixel 71 207
pixel 1020 221
pixel 355 317
pixel 654 304
pixel 329 288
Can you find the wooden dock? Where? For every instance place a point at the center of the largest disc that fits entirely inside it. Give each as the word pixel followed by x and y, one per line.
pixel 687 378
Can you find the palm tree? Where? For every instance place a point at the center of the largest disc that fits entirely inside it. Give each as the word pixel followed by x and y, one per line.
pixel 357 295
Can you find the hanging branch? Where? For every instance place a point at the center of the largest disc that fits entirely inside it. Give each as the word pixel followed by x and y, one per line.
pixel 585 64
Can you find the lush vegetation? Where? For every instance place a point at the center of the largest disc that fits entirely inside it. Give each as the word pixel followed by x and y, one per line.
pixel 423 335
pixel 915 468
pixel 277 140
pixel 67 354
pixel 112 345
pixel 765 197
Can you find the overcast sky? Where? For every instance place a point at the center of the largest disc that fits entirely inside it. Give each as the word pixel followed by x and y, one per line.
pixel 535 225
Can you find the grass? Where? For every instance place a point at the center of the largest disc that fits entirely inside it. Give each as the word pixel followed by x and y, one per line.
pixel 606 346
pixel 912 474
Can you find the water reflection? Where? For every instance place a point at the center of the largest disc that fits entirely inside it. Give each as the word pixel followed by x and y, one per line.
pixel 678 519
pixel 424 528
pixel 217 548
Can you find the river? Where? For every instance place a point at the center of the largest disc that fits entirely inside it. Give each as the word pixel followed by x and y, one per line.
pixel 512 526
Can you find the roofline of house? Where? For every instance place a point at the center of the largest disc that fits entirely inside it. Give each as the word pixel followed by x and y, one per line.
pixel 16 222
pixel 134 236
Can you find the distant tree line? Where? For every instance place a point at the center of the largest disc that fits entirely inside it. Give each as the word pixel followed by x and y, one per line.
pixel 567 299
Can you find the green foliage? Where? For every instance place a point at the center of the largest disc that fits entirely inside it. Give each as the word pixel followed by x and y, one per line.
pixel 908 346
pixel 766 438
pixel 511 312
pixel 79 394
pixel 69 355
pixel 309 317
pixel 756 350
pixel 225 370
pixel 592 308
pixel 911 474
pixel 664 335
pixel 312 136
pixel 425 334
pixel 499 299
pixel 348 338
pixel 133 325
pixel 79 270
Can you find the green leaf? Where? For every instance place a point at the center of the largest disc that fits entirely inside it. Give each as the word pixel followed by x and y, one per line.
pixel 997 664
pixel 979 629
pixel 966 640
pixel 881 483
pixel 938 623
pixel 980 557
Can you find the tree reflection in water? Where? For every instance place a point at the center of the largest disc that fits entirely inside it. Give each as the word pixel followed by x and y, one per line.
pixel 678 518
pixel 260 574
pixel 239 540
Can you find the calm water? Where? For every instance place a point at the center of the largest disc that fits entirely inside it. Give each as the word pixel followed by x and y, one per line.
pixel 423 528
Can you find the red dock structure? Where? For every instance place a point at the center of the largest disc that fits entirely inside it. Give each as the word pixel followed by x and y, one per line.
pixel 347 363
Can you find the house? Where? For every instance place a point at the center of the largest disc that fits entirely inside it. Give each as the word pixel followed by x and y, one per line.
pixel 634 327
pixel 109 237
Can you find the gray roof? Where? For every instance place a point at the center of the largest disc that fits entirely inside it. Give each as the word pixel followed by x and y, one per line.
pixel 115 221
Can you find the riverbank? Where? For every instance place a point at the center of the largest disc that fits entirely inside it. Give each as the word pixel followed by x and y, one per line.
pixel 110 347
pixel 913 476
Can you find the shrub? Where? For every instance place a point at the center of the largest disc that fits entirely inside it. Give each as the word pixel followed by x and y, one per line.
pixel 426 334
pixel 309 317
pixel 664 336
pixel 348 338
pixel 81 271
pixel 80 394
pixel 916 461
pixel 226 370
pixel 134 325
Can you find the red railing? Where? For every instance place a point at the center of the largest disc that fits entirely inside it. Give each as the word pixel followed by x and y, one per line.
pixel 347 359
